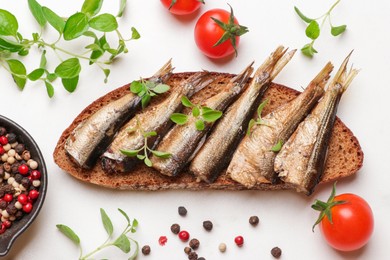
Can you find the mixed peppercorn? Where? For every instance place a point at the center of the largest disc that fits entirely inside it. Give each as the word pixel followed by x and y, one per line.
pixel 20 180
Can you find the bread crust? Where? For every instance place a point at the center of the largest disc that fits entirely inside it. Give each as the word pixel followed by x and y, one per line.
pixel 345 156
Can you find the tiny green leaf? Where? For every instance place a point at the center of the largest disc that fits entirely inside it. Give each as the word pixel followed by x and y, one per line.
pixel 261 107
pixel 308 50
pixel 104 23
pixel 130 153
pixel 337 30
pixel 252 122
pixel 302 16
pixel 106 222
pixel 125 215
pixel 135 253
pixel 134 225
pixel 163 155
pixel 75 26
pixel 135 34
pixel 49 89
pixel 195 111
pixel 6 45
pixel 161 88
pixel 123 243
pixel 69 68
pixel 106 73
pixel 199 124
pixel 122 7
pixel 141 156
pixel 23 52
pixel 51 76
pixel 136 87
pixel 206 109
pixel 67 231
pixel 145 100
pixel 149 134
pixel 148 162
pixel 36 10
pixel 277 146
pixel 54 20
pixel 35 74
pixel 8 23
pixel 179 119
pixel 43 61
pixel 18 72
pixel 70 84
pixel 90 34
pixel 186 102
pixel 313 30
pixel 211 116
pixel 91 7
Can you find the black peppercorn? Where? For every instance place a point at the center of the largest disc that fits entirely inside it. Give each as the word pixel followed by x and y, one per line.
pixel 182 211
pixel 20 148
pixel 3 131
pixel 14 168
pixel 26 182
pixel 276 252
pixel 208 225
pixel 11 209
pixel 3 204
pixel 18 178
pixel 192 256
pixel 254 220
pixel 11 138
pixel 194 243
pixel 175 228
pixel 146 250
pixel 187 250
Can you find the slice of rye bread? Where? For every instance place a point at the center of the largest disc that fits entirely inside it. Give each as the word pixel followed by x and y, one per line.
pixel 345 156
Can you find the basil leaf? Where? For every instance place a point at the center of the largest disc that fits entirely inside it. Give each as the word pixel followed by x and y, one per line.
pixel 106 73
pixel 134 225
pixel 199 124
pixel 104 23
pixel 70 84
pixel 68 69
pixel 337 30
pixel 36 10
pixel 148 162
pixel 149 134
pixel 302 16
pixel 18 69
pixel 6 45
pixel 54 20
pixel 8 23
pixel 130 153
pixel 135 34
pixel 91 7
pixel 308 50
pixel 67 231
pixel 123 243
pixel 195 111
pixel 186 102
pixel 179 119
pixel 206 109
pixel 106 222
pixel 159 154
pixel 145 100
pixel 313 30
pixel 122 7
pixel 140 156
pixel 136 87
pixel 49 89
pixel 125 215
pixel 75 26
pixel 161 88
pixel 212 116
pixel 35 74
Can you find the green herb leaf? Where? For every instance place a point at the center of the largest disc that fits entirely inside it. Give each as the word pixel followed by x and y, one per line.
pixel 122 7
pixel 75 26
pixel 136 87
pixel 252 122
pixel 36 10
pixel 308 50
pixel 186 102
pixel 68 69
pixel 145 100
pixel 90 34
pixel 18 72
pixel 106 73
pixel 104 23
pixel 91 7
pixel 130 153
pixel 70 84
pixel 149 134
pixel 195 111
pixel 141 156
pixel 161 88
pixel 135 254
pixel 206 109
pixel 134 225
pixel 43 61
pixel 49 89
pixel 51 77
pixel 67 231
pixel 277 146
pixel 199 124
pixel 135 34
pixel 261 107
pixel 125 215
pixel 35 74
pixel 337 30
pixel 106 222
pixel 163 155
pixel 123 243
pixel 6 45
pixel 211 116
pixel 54 20
pixel 148 162
pixel 179 119
pixel 8 23
pixel 302 16
pixel 313 30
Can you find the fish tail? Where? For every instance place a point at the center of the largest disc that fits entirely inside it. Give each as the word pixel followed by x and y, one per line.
pixel 164 72
pixel 344 77
pixel 197 82
pixel 287 56
pixel 243 76
pixel 323 76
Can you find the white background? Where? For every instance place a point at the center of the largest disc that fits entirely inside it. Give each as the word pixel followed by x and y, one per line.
pixel 286 217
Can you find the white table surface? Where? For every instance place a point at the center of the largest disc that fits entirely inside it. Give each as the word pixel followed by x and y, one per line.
pixel 286 217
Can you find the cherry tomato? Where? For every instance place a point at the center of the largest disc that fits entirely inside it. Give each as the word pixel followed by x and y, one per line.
pixel 182 7
pixel 217 33
pixel 351 223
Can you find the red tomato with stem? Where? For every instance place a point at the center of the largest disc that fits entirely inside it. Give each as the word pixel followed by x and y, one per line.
pixel 182 7
pixel 217 33
pixel 346 221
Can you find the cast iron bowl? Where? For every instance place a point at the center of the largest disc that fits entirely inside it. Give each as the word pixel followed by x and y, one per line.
pixel 19 226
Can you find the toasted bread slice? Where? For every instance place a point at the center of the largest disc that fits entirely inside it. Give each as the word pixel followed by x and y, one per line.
pixel 345 156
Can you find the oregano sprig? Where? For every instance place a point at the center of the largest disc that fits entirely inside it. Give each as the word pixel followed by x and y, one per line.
pixel 88 22
pixel 313 28
pixel 147 89
pixel 143 152
pixel 201 113
pixel 123 241
pixel 258 120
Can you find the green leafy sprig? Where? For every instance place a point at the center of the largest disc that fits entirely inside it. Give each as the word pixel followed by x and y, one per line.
pixel 258 120
pixel 313 28
pixel 201 113
pixel 87 22
pixel 147 89
pixel 277 147
pixel 123 241
pixel 143 152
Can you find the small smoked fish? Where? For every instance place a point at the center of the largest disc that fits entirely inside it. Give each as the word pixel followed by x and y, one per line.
pixel 302 159
pixel 182 140
pixel 253 161
pixel 92 136
pixel 217 151
pixel 155 119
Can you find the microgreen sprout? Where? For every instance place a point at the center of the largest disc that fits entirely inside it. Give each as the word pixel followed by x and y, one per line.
pixel 313 28
pixel 202 114
pixel 147 89
pixel 276 148
pixel 85 23
pixel 123 241
pixel 143 152
pixel 258 120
